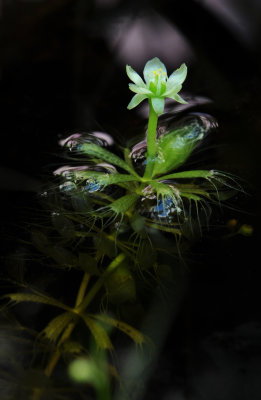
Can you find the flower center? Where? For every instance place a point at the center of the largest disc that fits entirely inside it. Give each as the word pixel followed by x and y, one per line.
pixel 158 82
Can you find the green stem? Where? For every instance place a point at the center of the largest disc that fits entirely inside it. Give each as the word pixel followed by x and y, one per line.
pixel 96 287
pixel 151 142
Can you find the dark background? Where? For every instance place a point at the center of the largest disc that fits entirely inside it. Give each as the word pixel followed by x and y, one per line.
pixel 63 70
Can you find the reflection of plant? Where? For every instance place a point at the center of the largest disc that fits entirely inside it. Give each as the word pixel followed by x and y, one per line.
pixel 107 216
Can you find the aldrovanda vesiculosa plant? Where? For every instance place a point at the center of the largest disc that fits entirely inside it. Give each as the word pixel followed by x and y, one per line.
pixel 103 221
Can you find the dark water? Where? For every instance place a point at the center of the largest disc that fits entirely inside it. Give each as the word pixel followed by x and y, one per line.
pixel 63 71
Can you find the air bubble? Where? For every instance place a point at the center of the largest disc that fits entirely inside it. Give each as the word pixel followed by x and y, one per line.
pixel 76 140
pixel 200 124
pixel 92 186
pixel 160 210
pixel 67 187
pixel 196 127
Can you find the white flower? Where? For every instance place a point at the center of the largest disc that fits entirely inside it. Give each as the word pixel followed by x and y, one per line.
pixel 157 85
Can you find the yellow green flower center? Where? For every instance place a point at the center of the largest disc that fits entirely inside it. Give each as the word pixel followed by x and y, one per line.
pixel 158 84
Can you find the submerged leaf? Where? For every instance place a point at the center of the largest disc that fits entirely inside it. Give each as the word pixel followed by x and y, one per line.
pixel 133 333
pixel 99 333
pixel 57 325
pixel 81 203
pixel 35 298
pixel 63 257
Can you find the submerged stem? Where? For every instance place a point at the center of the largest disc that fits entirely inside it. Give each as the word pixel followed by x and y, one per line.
pixel 98 284
pixel 151 142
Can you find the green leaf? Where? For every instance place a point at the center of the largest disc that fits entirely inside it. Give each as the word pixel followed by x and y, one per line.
pixel 175 147
pixel 105 179
pixel 98 332
pixel 56 326
pixel 63 257
pixel 174 229
pixel 133 333
pixel 197 173
pixel 123 204
pixel 81 203
pixel 93 150
pixel 35 298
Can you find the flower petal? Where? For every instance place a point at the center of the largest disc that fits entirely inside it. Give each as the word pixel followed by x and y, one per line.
pixel 138 89
pixel 176 78
pixel 151 66
pixel 177 98
pixel 172 91
pixel 134 77
pixel 158 104
pixel 137 99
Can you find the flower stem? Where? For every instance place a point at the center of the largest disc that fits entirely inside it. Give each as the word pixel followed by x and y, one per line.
pixel 151 142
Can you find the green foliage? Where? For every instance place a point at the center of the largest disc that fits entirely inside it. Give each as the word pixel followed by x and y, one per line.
pixel 57 325
pixel 174 148
pixel 99 153
pixel 99 333
pixel 111 229
pixel 17 298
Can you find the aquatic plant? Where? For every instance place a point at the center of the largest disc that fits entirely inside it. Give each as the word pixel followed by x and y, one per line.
pixel 108 214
